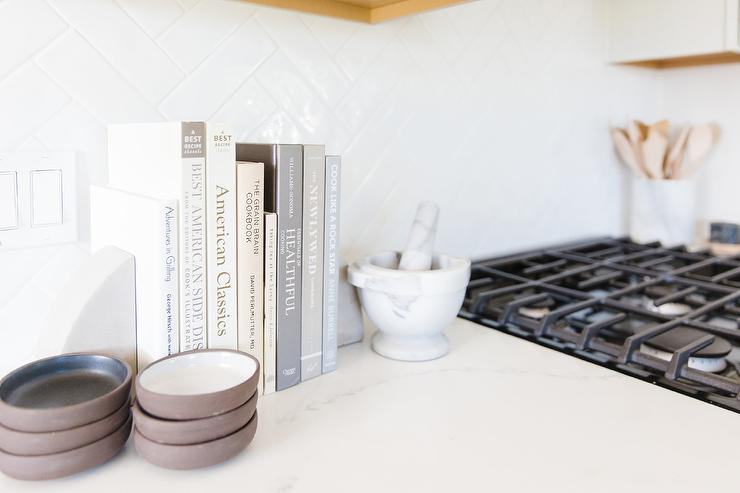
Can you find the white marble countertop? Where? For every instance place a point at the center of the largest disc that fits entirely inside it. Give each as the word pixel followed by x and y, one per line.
pixel 497 413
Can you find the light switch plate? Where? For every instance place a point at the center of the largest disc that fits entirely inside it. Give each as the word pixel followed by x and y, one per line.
pixel 38 199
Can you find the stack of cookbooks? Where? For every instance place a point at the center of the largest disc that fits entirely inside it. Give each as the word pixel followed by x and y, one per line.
pixel 236 245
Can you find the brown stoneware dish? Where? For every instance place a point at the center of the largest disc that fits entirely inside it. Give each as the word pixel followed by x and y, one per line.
pixel 191 431
pixel 197 455
pixel 197 384
pixel 52 442
pixel 38 467
pixel 63 392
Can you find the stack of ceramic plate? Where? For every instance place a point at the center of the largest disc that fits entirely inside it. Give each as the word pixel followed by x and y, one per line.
pixel 196 409
pixel 62 415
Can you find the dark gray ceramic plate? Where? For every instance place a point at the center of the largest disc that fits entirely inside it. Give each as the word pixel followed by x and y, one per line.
pixel 197 384
pixel 194 430
pixel 197 455
pixel 63 392
pixel 53 466
pixel 52 442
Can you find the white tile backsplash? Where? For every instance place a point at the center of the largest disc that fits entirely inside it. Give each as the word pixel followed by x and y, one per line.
pixel 499 110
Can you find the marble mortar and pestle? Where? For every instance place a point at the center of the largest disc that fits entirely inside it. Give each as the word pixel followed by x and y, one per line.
pixel 414 295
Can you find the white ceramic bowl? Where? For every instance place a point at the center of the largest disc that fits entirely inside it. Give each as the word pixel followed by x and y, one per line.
pixel 411 309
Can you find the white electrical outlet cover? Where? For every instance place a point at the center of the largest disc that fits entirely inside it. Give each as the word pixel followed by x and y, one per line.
pixel 38 199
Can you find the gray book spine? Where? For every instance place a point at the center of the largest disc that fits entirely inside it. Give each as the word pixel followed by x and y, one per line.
pixel 289 195
pixel 312 298
pixel 333 179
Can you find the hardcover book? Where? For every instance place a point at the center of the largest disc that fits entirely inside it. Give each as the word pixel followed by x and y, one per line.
pixel 313 261
pixel 221 234
pixel 147 228
pixel 250 190
pixel 167 160
pixel 333 181
pixel 270 334
pixel 284 196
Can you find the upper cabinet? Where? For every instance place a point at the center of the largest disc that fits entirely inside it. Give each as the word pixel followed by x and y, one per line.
pixel 672 33
pixel 371 11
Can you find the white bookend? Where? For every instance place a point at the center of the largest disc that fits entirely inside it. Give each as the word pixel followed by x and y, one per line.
pixel 167 160
pixel 147 228
pixel 221 237
pixel 270 354
pixel 250 186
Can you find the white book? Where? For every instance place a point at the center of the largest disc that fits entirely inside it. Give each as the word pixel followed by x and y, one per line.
pixel 221 237
pixel 147 228
pixel 312 298
pixel 250 186
pixel 167 160
pixel 270 351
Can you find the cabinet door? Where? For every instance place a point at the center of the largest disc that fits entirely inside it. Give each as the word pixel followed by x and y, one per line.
pixel 661 29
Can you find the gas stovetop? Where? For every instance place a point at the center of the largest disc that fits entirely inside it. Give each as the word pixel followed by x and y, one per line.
pixel 664 315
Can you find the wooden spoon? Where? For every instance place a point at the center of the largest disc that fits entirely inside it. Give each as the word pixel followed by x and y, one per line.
pixel 675 156
pixel 626 151
pixel 662 126
pixel 637 132
pixel 653 152
pixel 699 143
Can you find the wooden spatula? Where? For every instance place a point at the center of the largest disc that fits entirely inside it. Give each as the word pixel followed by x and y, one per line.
pixel 675 156
pixel 626 152
pixel 698 144
pixel 653 153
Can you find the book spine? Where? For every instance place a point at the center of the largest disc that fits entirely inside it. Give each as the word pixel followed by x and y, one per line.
pixel 270 333
pixel 221 237
pixel 170 282
pixel 331 264
pixel 313 261
pixel 193 298
pixel 289 185
pixel 250 199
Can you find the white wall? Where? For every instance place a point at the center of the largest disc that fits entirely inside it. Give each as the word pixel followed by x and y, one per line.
pixel 710 94
pixel 497 109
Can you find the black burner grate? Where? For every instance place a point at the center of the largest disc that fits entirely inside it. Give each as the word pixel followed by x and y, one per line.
pixel 664 315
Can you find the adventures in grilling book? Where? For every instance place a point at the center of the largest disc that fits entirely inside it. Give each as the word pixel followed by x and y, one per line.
pixel 284 196
pixel 313 261
pixel 146 228
pixel 168 160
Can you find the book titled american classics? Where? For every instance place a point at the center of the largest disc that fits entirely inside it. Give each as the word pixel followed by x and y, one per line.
pixel 313 261
pixel 221 234
pixel 250 179
pixel 270 351
pixel 283 195
pixel 331 262
pixel 147 228
pixel 167 160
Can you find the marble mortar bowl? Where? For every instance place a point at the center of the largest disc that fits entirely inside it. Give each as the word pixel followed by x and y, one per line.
pixel 411 309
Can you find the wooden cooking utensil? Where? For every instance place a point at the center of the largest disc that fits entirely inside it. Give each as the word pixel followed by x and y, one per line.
pixel 675 156
pixel 626 151
pixel 699 143
pixel 653 152
pixel 637 131
pixel 662 126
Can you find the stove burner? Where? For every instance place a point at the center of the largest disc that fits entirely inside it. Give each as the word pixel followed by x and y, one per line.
pixel 670 309
pixel 712 365
pixel 710 358
pixel 664 315
pixel 534 312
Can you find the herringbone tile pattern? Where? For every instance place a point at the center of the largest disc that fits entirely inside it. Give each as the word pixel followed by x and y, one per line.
pixel 496 109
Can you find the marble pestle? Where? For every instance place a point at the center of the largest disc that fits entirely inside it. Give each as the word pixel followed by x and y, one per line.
pixel 418 252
